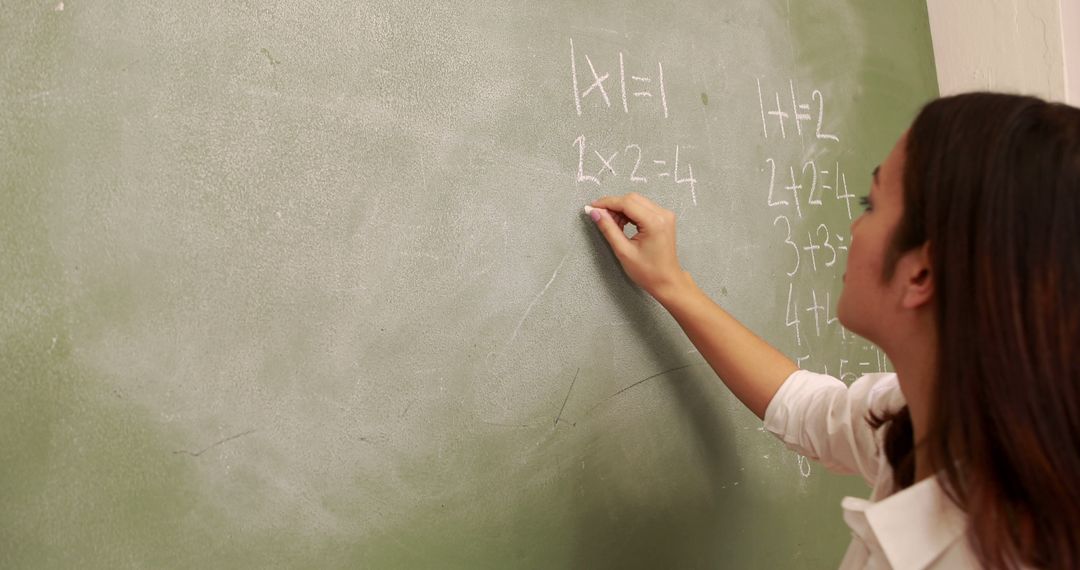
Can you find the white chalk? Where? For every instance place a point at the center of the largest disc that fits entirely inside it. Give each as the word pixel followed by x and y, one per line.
pixel 589 210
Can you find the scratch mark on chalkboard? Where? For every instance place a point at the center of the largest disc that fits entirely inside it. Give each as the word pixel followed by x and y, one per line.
pixel 506 425
pixel 597 29
pixel 424 254
pixel 423 173
pixel 269 57
pixel 354 289
pixel 642 381
pixel 537 298
pixel 390 72
pixel 705 101
pixel 567 399
pixel 215 444
pixel 40 95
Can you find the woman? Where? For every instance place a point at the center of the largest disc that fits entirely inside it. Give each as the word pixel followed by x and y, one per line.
pixel 965 270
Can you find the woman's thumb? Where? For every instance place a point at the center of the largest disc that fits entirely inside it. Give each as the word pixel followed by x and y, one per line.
pixel 611 231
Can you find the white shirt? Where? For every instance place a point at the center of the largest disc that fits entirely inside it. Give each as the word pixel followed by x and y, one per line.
pixel 917 528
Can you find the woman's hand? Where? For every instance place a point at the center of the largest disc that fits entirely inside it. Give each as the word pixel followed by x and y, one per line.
pixel 649 258
pixel 752 368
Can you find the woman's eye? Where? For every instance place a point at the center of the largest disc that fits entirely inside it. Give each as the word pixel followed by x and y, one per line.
pixel 864 201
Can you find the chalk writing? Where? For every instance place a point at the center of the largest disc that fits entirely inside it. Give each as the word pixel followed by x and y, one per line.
pixel 642 88
pixel 638 88
pixel 776 112
pixel 821 182
pixel 803 198
pixel 596 165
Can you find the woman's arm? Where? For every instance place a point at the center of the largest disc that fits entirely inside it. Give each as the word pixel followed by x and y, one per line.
pixel 750 367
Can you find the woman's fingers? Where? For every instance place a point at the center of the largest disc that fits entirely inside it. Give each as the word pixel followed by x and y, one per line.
pixel 620 219
pixel 644 202
pixel 612 230
pixel 636 208
pixel 649 258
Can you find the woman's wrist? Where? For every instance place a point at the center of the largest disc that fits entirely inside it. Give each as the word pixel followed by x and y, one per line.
pixel 675 290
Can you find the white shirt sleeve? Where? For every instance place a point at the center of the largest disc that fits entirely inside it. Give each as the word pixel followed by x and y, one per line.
pixel 824 419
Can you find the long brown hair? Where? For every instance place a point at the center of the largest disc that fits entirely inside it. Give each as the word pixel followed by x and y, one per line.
pixel 992 183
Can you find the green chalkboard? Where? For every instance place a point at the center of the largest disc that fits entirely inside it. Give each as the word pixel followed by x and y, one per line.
pixel 308 285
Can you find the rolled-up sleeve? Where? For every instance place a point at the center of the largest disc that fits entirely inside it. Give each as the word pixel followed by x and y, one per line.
pixel 824 419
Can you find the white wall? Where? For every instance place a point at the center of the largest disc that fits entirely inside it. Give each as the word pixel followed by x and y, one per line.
pixel 1019 46
pixel 1070 27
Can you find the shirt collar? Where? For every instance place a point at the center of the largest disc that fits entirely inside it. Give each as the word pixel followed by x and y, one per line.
pixel 915 526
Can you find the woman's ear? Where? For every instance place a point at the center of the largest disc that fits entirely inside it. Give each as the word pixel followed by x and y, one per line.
pixel 918 278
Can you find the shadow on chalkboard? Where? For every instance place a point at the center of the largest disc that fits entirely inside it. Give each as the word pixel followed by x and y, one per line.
pixel 674 532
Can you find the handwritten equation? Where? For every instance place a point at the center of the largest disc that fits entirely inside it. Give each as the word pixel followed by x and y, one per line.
pixel 637 168
pixel 778 115
pixel 799 198
pixel 636 88
pixel 642 87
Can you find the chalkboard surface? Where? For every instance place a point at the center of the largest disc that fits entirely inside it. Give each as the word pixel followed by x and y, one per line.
pixel 307 284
